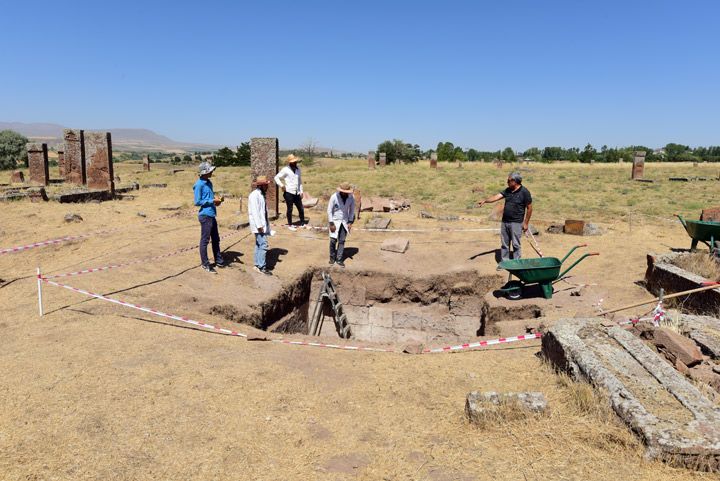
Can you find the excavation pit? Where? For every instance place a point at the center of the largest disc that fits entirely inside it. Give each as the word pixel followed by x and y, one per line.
pixel 386 308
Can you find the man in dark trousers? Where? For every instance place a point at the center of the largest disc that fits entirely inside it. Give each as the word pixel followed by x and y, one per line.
pixel 206 200
pixel 516 215
pixel 291 182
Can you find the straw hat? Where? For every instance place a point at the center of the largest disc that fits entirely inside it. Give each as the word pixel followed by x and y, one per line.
pixel 345 187
pixel 292 158
pixel 261 180
pixel 205 168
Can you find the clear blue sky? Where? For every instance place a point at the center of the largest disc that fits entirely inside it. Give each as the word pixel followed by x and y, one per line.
pixel 483 74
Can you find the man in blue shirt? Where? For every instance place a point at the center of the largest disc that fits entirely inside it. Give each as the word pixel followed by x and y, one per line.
pixel 207 202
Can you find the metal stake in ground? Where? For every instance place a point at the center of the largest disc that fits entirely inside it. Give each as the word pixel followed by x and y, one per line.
pixel 39 285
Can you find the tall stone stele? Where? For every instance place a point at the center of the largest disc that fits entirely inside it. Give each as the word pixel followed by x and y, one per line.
pixel 433 160
pixel 638 168
pixel 146 162
pixel 38 163
pixel 61 163
pixel 371 160
pixel 383 159
pixel 74 171
pixel 264 160
pixel 98 161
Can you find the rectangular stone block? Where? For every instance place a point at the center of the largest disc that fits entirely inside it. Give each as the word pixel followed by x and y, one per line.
pixel 38 164
pixel 380 316
pixel 638 165
pixel 146 163
pixel 405 320
pixel 98 161
pixel 676 422
pixel 383 334
pixel 361 332
pixel 356 314
pixel 433 160
pixel 574 227
pixel 383 159
pixel 371 160
pixel 711 215
pixel 61 163
pixel 74 156
pixel 410 336
pixel 264 153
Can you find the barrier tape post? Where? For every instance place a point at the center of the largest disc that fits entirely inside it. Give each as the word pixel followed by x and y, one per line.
pixel 39 285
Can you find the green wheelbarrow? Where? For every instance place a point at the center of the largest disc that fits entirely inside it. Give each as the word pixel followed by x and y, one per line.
pixel 701 231
pixel 544 271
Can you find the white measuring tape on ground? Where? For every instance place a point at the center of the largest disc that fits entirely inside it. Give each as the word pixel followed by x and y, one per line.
pixel 205 325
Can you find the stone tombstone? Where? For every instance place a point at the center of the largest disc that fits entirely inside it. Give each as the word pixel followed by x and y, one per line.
pixel 98 161
pixel 264 153
pixel 371 160
pixel 433 160
pixel 383 159
pixel 638 167
pixel 38 164
pixel 74 156
pixel 146 163
pixel 61 163
pixel 17 177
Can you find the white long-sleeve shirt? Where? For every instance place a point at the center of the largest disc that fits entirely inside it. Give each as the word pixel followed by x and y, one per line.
pixel 257 212
pixel 341 212
pixel 293 182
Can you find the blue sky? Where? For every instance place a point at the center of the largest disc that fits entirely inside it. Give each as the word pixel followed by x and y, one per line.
pixel 352 74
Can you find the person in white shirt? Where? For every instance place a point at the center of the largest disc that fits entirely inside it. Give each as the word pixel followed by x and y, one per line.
pixel 259 225
pixel 289 179
pixel 341 215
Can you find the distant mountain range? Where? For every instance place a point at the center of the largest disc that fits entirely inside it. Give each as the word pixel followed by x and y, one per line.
pixel 122 139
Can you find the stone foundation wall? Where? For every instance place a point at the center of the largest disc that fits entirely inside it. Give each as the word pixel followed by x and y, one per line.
pixel 661 273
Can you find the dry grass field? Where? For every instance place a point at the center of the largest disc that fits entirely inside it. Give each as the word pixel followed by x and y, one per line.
pixel 93 390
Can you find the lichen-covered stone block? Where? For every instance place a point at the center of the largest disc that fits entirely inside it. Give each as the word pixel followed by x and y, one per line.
pixel 74 156
pixel 98 161
pixel 264 153
pixel 383 159
pixel 638 168
pixel 61 163
pixel 38 164
pixel 484 407
pixel 371 160
pixel 433 160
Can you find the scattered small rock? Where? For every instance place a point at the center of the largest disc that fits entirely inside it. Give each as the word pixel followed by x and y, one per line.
pixel 555 229
pixel 450 218
pixel 416 348
pixel 398 245
pixel 578 291
pixel 142 214
pixel 154 186
pixel 378 223
pixel 117 178
pixel 426 215
pixel 483 407
pixel 73 218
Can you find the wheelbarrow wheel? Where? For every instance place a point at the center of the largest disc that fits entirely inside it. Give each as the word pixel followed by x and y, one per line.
pixel 513 290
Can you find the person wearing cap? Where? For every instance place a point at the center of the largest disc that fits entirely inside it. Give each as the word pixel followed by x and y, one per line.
pixel 341 215
pixel 259 225
pixel 516 215
pixel 289 179
pixel 207 201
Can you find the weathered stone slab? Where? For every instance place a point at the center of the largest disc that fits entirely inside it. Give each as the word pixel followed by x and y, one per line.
pixel 677 347
pixel 264 161
pixel 705 331
pixel 395 245
pixel 677 423
pixel 661 274
pixel 638 168
pixel 98 161
pixel 378 223
pixel 146 163
pixel 484 407
pixel 371 160
pixel 433 160
pixel 38 164
pixel 84 196
pixel 17 177
pixel 574 227
pixel 711 215
pixel 74 156
pixel 61 163
pixel 383 159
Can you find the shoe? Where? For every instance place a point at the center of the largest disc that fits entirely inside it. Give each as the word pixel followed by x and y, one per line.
pixel 331 262
pixel 292 227
pixel 257 269
pixel 265 271
pixel 340 264
pixel 220 262
pixel 210 269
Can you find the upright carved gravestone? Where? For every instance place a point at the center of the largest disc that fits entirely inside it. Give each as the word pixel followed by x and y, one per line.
pixel 38 163
pixel 17 177
pixel 433 160
pixel 371 160
pixel 264 161
pixel 383 159
pixel 61 163
pixel 98 161
pixel 638 168
pixel 74 156
pixel 146 163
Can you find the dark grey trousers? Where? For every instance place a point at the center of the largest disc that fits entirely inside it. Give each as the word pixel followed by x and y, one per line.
pixel 510 233
pixel 337 255
pixel 208 232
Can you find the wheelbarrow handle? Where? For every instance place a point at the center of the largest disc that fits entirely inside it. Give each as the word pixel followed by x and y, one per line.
pixel 593 254
pixel 581 245
pixel 576 263
pixel 571 251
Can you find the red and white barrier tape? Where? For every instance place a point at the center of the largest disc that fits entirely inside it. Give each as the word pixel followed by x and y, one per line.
pixel 489 229
pixel 139 261
pixel 472 345
pixel 229 332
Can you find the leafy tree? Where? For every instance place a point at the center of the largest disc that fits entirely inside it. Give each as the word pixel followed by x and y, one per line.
pixel 397 150
pixel 187 159
pixel 674 151
pixel 508 155
pixel 588 154
pixel 243 154
pixel 12 149
pixel 445 152
pixel 223 157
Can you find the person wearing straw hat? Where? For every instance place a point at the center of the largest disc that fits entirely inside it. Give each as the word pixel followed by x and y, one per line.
pixel 259 225
pixel 207 201
pixel 516 215
pixel 289 179
pixel 341 215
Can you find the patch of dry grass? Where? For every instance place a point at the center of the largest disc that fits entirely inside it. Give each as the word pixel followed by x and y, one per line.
pixel 699 263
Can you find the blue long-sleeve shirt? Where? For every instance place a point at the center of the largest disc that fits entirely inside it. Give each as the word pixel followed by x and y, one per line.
pixel 205 197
